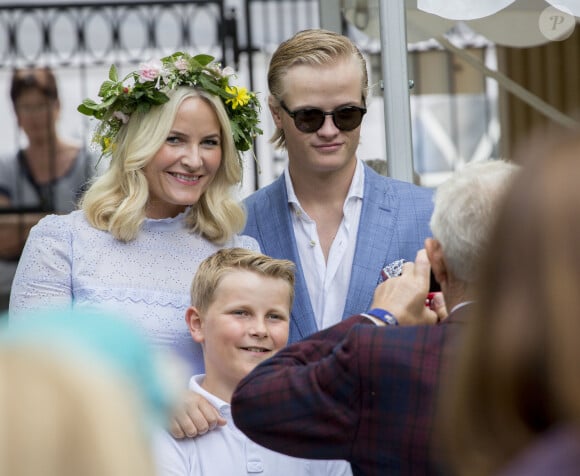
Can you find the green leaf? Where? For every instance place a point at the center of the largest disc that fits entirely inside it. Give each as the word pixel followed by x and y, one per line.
pixel 108 88
pixel 210 86
pixel 143 107
pixel 157 97
pixel 172 58
pixel 203 60
pixel 84 109
pixel 107 102
pixel 113 76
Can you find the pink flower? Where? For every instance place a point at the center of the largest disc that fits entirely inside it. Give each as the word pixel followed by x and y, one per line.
pixel 149 71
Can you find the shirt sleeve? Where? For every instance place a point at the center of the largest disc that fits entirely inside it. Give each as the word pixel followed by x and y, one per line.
pixel 44 273
pixel 305 401
pixel 245 241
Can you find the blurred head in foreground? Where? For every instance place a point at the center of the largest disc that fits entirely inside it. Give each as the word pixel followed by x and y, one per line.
pixel 79 394
pixel 518 370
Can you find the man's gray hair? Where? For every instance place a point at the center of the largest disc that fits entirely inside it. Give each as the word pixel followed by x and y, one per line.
pixel 465 208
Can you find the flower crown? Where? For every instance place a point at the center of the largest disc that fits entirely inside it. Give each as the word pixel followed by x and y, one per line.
pixel 148 86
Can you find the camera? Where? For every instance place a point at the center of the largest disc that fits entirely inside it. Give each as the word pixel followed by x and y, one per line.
pixel 396 268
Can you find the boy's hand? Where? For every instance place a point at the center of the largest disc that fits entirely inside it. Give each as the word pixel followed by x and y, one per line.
pixel 194 416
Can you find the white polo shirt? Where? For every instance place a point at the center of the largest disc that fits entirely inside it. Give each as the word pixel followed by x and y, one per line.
pixel 227 451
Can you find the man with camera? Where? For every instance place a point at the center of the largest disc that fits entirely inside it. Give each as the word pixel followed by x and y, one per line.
pixel 365 390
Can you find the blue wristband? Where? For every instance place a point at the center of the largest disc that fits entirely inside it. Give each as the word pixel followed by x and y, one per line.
pixel 383 315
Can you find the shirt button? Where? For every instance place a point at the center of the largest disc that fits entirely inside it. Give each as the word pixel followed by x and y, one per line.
pixel 254 467
pixel 312 243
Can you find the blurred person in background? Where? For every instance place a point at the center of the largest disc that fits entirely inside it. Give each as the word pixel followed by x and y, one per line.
pixel 47 175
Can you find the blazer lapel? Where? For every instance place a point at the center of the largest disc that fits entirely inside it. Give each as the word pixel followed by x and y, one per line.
pixel 374 238
pixel 278 240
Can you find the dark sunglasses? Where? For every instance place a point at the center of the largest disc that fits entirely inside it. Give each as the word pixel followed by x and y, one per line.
pixel 310 119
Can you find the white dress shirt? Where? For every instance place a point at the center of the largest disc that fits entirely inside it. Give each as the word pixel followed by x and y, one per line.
pixel 226 451
pixel 328 281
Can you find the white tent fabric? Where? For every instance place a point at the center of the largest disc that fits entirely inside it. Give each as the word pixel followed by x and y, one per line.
pixel 515 23
pixel 474 9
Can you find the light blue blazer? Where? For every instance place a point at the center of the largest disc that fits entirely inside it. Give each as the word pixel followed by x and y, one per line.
pixel 394 223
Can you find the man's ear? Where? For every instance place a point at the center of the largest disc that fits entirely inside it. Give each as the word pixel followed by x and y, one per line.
pixel 275 110
pixel 437 260
pixel 195 324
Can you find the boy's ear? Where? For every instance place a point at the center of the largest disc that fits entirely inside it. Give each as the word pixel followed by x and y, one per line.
pixel 195 324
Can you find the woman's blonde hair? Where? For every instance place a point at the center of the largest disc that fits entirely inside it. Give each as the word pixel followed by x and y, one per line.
pixel 117 200
pixel 60 418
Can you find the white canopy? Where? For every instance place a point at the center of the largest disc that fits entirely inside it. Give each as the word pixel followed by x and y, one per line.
pixel 515 23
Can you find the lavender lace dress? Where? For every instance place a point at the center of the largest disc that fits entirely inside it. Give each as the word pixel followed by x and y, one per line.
pixel 66 262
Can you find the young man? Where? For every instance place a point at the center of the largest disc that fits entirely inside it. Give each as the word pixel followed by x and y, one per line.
pixel 240 312
pixel 329 213
pixel 369 394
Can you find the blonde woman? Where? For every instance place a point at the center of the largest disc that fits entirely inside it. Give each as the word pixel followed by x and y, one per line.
pixel 175 130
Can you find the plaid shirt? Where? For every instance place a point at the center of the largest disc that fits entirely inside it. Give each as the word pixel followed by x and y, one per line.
pixel 353 391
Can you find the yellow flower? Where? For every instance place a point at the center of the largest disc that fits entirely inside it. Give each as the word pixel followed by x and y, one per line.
pixel 106 143
pixel 242 97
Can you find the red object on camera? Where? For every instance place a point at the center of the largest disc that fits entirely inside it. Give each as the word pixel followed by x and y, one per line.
pixel 429 300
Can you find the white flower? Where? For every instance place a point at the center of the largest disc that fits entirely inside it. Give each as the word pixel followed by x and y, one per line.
pixel 124 118
pixel 181 65
pixel 228 71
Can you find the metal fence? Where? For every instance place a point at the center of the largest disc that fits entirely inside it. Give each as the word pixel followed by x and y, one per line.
pixel 80 39
pixel 93 33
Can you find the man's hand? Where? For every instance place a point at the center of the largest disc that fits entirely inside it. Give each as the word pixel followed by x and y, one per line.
pixel 194 416
pixel 437 304
pixel 404 296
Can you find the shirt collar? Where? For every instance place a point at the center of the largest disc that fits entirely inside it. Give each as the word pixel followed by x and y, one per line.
pixel 460 305
pixel 356 186
pixel 195 386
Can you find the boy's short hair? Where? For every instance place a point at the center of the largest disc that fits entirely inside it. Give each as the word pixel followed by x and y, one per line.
pixel 215 267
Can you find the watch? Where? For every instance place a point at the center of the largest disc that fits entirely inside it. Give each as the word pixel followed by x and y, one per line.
pixel 383 315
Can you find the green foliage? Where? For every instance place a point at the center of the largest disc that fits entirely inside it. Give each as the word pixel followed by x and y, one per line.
pixel 140 90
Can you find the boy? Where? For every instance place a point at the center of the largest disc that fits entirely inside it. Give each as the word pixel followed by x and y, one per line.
pixel 240 312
